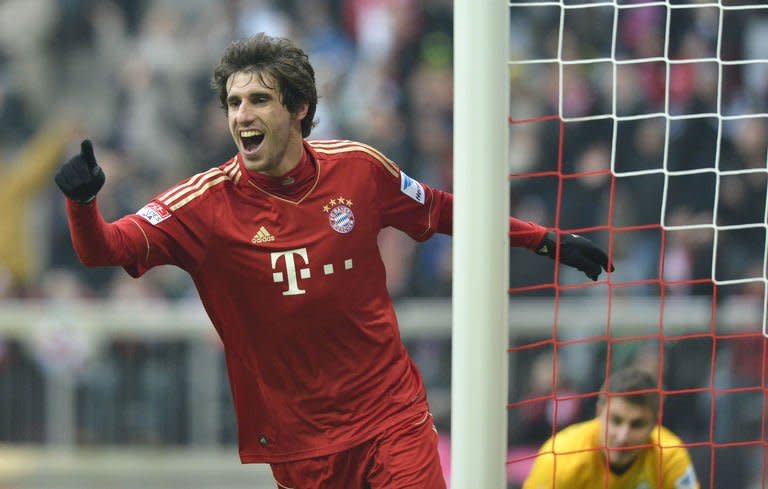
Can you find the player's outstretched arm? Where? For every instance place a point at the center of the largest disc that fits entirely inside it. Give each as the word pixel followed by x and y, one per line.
pixel 81 178
pixel 577 252
pixel 96 242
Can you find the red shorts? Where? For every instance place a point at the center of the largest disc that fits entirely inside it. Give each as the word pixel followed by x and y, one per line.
pixel 404 456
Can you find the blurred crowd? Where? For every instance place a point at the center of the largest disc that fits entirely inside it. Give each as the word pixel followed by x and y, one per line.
pixel 134 76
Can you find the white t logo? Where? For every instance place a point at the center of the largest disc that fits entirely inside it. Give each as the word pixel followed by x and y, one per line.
pixel 290 270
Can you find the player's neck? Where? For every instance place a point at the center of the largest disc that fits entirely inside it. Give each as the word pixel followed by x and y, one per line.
pixel 292 184
pixel 617 469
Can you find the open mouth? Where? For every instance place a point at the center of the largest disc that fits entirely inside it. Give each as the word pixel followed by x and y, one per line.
pixel 251 139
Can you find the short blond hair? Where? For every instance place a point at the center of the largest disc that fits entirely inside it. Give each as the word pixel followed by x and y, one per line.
pixel 640 387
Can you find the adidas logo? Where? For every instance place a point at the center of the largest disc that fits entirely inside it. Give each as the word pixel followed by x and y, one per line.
pixel 262 236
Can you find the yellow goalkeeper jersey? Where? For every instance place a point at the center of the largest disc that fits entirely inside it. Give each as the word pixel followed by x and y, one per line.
pixel 580 464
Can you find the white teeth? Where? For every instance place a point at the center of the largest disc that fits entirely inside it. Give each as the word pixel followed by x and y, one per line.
pixel 249 134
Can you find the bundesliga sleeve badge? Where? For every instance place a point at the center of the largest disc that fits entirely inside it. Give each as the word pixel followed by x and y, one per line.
pixel 412 188
pixel 340 215
pixel 154 213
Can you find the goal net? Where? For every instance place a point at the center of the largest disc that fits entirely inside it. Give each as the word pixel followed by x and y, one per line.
pixel 643 126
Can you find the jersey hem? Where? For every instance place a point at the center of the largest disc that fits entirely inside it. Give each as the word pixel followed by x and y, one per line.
pixel 253 458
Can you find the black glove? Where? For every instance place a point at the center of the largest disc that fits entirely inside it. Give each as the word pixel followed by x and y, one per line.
pixel 81 177
pixel 577 252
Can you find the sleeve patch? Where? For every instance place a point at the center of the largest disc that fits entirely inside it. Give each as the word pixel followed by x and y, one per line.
pixel 687 480
pixel 412 188
pixel 154 213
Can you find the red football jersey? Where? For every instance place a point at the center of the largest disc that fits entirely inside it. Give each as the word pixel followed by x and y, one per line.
pixel 297 292
pixel 295 288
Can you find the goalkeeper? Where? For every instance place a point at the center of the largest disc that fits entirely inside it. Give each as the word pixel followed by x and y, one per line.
pixel 622 448
pixel 281 242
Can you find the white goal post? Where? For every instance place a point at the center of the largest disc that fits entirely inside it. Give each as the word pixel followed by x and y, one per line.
pixel 603 67
pixel 480 245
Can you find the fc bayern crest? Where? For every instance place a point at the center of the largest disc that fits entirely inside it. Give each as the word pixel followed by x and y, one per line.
pixel 341 218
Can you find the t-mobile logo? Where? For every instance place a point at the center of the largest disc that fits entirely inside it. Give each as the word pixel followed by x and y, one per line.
pixel 291 267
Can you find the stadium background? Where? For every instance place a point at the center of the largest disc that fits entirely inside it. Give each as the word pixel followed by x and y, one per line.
pixel 145 403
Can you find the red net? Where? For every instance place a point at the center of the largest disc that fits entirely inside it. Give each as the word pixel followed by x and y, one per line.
pixel 676 307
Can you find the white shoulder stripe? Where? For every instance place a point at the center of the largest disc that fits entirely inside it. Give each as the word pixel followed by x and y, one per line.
pixel 233 170
pixel 198 192
pixel 184 193
pixel 190 182
pixel 186 189
pixel 330 143
pixel 336 147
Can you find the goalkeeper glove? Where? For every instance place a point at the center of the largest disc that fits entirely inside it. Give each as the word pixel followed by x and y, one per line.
pixel 577 252
pixel 81 178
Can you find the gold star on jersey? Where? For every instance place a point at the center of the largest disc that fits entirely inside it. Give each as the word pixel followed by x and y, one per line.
pixel 340 215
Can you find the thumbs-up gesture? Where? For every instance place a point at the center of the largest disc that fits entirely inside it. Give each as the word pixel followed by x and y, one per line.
pixel 81 178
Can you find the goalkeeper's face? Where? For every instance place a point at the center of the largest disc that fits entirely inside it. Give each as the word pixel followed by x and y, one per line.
pixel 624 427
pixel 267 135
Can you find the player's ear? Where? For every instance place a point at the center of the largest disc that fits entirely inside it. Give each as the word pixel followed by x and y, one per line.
pixel 301 112
pixel 654 418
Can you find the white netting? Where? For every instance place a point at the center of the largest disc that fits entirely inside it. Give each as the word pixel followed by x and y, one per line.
pixel 644 125
pixel 711 54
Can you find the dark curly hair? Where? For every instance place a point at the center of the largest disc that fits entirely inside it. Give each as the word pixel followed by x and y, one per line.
pixel 278 59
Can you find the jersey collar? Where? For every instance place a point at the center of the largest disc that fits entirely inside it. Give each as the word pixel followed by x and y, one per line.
pixel 293 187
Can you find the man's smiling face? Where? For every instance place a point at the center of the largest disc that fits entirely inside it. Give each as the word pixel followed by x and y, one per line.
pixel 267 135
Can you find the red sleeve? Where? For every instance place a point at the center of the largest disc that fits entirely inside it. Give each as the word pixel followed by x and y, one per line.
pixel 408 205
pixel 98 243
pixel 421 211
pixel 132 242
pixel 524 234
